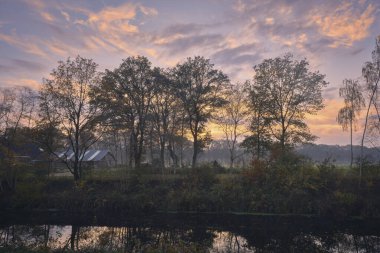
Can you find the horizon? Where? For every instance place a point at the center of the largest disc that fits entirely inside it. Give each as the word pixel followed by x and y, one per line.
pixel 337 38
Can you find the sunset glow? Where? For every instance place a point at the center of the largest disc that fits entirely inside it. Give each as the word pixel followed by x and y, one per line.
pixel 336 37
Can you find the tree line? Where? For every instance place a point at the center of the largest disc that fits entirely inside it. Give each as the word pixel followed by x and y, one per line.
pixel 152 108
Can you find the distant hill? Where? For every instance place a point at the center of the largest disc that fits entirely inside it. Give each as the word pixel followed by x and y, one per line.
pixel 218 151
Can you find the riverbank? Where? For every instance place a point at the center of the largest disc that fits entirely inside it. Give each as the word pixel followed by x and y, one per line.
pixel 304 189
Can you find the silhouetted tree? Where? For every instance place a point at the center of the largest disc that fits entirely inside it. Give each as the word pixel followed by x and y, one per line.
pixel 164 112
pixel 15 104
pixel 353 103
pixel 260 139
pixel 198 87
pixel 232 118
pixel 66 104
pixel 126 93
pixel 290 91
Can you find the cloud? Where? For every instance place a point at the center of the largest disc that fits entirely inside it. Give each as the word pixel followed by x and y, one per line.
pixel 151 52
pixel 28 65
pixel 5 68
pixel 182 29
pixel 148 11
pixel 40 7
pixel 269 21
pixel 66 16
pixel 72 29
pixel 114 19
pixel 246 53
pixel 346 24
pixel 27 45
pixel 47 16
pixel 13 82
pixel 183 44
pixel 112 27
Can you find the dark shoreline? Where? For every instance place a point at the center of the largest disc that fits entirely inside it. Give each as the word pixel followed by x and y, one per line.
pixel 185 219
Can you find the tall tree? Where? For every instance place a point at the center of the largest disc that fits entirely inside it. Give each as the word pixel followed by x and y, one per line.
pixel 199 88
pixel 290 91
pixel 353 103
pixel 164 111
pixel 126 93
pixel 371 74
pixel 232 118
pixel 66 104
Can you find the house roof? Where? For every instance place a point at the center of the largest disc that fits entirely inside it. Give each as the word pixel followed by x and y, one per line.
pixel 27 150
pixel 92 155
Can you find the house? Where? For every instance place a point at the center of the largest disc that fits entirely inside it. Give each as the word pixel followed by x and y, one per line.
pixel 92 158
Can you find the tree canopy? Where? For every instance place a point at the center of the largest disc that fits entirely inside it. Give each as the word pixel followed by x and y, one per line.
pixel 287 91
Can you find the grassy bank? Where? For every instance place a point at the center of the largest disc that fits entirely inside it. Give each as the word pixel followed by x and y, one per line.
pixel 295 187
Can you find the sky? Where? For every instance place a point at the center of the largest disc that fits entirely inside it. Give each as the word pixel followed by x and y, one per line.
pixel 336 37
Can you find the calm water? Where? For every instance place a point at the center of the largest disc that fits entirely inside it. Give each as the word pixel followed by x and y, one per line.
pixel 185 233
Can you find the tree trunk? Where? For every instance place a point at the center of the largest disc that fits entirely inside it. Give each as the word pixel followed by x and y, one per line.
pixel 364 132
pixel 162 154
pixel 195 150
pixel 282 141
pixel 173 156
pixel 131 149
pixel 352 152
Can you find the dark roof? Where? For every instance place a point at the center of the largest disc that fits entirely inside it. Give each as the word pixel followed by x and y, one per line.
pixel 30 150
pixel 92 155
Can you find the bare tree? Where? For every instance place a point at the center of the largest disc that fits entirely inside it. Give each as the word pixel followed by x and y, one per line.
pixel 16 109
pixel 232 118
pixel 66 104
pixel 353 103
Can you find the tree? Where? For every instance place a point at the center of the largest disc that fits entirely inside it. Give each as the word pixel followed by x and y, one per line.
pixel 260 139
pixel 15 110
pixel 289 91
pixel 164 114
pixel 353 103
pixel 126 93
pixel 371 74
pixel 198 87
pixel 66 104
pixel 232 118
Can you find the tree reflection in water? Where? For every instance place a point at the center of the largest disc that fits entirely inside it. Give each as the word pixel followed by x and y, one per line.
pixel 51 238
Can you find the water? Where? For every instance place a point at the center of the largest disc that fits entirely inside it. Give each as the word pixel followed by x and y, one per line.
pixel 58 232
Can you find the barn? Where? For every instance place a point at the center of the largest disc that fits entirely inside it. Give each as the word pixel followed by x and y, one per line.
pixel 92 158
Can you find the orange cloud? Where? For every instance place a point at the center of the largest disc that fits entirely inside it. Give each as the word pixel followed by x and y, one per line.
pixel 345 25
pixel 269 21
pixel 112 24
pixel 114 19
pixel 47 16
